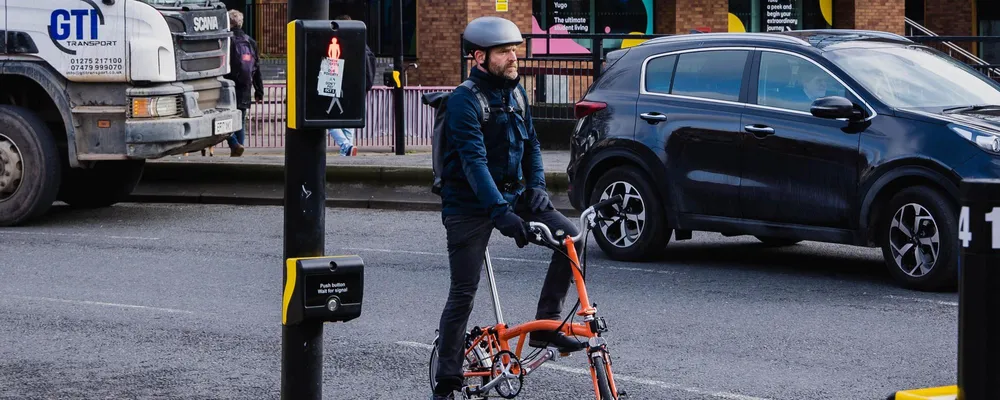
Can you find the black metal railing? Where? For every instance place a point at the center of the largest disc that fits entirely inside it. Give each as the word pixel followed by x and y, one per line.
pixel 555 82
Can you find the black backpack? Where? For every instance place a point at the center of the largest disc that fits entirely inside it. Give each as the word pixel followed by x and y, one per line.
pixel 439 140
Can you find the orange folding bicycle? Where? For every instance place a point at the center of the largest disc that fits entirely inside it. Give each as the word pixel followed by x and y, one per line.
pixel 488 354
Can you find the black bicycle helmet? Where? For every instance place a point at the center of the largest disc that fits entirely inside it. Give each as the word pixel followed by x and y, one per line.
pixel 484 33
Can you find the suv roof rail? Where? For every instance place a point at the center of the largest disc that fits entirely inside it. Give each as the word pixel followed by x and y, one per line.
pixel 863 34
pixel 725 35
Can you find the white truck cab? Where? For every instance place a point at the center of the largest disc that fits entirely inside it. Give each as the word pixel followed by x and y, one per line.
pixel 90 89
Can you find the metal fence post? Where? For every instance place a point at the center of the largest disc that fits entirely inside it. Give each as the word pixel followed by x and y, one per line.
pixel 461 56
pixel 597 55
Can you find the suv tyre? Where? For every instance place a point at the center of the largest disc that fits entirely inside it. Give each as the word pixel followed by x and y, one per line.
pixel 919 232
pixel 643 230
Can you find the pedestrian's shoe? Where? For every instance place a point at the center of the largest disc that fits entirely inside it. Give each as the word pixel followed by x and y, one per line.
pixel 565 344
pixel 237 151
pixel 354 151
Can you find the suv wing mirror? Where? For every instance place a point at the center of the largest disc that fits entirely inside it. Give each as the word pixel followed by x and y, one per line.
pixel 836 107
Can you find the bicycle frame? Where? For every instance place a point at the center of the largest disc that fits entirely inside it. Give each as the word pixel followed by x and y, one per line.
pixel 496 338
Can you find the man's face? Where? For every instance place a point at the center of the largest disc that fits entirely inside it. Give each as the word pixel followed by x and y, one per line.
pixel 502 61
pixel 815 87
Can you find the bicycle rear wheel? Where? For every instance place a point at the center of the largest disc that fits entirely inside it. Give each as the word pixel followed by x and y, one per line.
pixel 466 366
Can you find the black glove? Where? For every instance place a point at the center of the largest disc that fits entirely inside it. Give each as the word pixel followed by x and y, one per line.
pixel 510 225
pixel 259 96
pixel 538 200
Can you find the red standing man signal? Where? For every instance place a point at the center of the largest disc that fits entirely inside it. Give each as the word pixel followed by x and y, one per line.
pixel 333 55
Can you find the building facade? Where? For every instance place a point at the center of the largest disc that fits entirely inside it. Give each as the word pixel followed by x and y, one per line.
pixel 431 28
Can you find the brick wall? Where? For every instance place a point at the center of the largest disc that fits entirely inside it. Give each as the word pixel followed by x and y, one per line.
pixel 692 14
pixel 950 18
pixel 879 15
pixel 665 16
pixel 843 14
pixel 437 42
pixel 439 26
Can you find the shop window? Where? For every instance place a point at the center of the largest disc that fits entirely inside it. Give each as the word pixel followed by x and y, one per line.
pixel 780 15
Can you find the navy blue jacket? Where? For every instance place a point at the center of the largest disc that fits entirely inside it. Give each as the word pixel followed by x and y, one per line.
pixel 484 166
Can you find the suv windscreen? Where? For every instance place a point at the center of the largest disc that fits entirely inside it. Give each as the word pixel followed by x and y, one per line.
pixel 915 77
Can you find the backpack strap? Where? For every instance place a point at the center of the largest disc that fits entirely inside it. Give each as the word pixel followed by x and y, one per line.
pixel 483 102
pixel 520 103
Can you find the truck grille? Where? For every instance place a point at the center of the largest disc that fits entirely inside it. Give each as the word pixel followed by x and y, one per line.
pixel 198 46
pixel 202 64
pixel 200 54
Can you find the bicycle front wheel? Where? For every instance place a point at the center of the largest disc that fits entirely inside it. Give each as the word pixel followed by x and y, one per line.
pixel 602 383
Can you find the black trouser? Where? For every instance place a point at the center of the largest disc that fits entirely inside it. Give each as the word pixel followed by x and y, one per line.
pixel 467 239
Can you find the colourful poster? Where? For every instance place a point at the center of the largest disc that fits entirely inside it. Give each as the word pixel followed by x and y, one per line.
pixel 589 16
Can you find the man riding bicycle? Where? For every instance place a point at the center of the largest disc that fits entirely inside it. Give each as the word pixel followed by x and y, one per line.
pixel 484 164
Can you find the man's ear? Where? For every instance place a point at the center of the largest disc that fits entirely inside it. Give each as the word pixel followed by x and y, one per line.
pixel 480 56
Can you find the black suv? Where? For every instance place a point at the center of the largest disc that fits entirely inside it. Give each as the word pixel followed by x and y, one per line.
pixel 840 136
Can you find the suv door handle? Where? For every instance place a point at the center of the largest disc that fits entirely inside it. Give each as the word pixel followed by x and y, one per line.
pixel 759 131
pixel 653 118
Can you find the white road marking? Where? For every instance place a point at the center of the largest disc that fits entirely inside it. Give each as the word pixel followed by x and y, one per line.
pixel 98 303
pixel 77 235
pixel 624 378
pixel 524 260
pixel 919 300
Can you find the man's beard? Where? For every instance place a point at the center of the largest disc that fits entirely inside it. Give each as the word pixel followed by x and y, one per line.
pixel 501 70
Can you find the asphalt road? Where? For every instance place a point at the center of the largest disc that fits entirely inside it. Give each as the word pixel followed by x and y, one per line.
pixel 168 301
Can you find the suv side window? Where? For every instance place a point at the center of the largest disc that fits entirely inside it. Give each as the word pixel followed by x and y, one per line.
pixel 713 74
pixel 793 83
pixel 659 74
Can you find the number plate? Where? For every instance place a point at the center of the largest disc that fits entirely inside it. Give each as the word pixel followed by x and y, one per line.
pixel 223 126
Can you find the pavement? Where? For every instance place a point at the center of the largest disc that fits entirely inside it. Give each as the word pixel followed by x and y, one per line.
pixel 183 301
pixel 370 180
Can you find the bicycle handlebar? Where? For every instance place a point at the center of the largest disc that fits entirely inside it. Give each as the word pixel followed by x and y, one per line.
pixel 542 231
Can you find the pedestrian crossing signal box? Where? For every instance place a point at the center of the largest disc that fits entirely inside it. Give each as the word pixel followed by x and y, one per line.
pixel 324 289
pixel 326 74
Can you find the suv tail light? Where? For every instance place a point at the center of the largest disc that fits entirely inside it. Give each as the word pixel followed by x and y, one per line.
pixel 585 108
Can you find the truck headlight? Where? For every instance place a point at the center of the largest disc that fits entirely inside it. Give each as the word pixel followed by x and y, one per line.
pixel 155 107
pixel 987 141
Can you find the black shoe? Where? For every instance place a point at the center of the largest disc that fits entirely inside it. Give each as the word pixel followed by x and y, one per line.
pixel 564 344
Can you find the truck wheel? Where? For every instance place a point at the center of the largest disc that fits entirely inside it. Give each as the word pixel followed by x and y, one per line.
pixel 29 166
pixel 103 185
pixel 920 240
pixel 642 232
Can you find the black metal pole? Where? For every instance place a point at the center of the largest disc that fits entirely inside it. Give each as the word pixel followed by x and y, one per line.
pixel 304 234
pixel 979 299
pixel 397 93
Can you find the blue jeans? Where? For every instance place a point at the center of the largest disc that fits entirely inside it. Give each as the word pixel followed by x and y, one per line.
pixel 344 138
pixel 238 137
